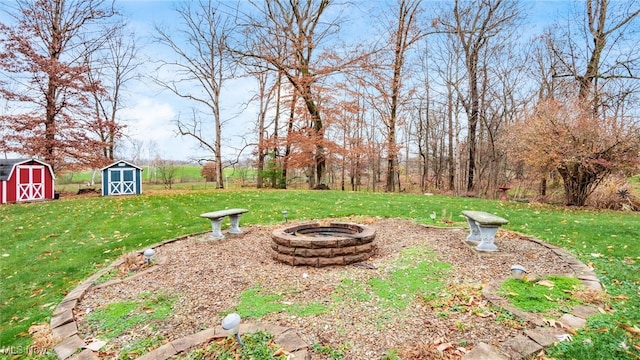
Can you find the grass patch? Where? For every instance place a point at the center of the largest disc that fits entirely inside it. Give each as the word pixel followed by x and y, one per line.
pixel 415 273
pixel 351 289
pixel 138 347
pixel 549 294
pixel 118 318
pixel 330 352
pixel 507 318
pixel 258 345
pixel 255 303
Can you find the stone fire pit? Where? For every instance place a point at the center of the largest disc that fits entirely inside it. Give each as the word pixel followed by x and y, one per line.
pixel 318 245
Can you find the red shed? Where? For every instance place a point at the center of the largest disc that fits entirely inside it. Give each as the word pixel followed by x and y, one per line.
pixel 25 180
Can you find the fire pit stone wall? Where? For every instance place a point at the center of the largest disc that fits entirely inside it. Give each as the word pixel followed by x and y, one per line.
pixel 312 244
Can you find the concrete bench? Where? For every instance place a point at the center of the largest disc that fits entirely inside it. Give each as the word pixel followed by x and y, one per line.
pixel 216 218
pixel 483 228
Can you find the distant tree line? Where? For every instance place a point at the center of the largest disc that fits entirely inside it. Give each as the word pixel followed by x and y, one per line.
pixel 425 96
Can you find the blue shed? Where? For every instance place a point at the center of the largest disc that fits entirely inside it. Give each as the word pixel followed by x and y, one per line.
pixel 121 178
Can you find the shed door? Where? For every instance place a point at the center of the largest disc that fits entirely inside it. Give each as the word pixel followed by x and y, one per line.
pixel 122 182
pixel 30 182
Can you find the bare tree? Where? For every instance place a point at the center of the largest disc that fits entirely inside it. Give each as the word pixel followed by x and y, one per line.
pixel 290 36
pixel 166 170
pixel 201 67
pixel 598 48
pixel 268 89
pixel 404 34
pixel 114 66
pixel 477 25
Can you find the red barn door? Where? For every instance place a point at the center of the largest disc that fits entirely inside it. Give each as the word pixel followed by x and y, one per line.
pixel 30 182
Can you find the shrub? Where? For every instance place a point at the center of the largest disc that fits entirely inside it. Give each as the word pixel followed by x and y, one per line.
pixel 614 193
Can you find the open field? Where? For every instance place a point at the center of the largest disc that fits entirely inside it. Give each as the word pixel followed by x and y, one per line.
pixel 48 248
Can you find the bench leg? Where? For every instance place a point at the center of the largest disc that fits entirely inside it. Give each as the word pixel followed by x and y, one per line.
pixel 216 226
pixel 235 224
pixel 488 235
pixel 474 234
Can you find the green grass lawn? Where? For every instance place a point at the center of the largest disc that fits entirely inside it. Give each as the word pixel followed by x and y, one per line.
pixel 183 174
pixel 47 248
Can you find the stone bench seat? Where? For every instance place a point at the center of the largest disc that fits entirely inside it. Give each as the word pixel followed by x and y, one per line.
pixel 216 218
pixel 483 228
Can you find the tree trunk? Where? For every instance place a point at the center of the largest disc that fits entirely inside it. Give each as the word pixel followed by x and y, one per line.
pixel 450 156
pixel 474 114
pixel 317 134
pixel 579 182
pixel 287 148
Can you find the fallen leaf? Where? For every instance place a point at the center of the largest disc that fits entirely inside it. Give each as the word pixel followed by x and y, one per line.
pixel 631 329
pixel 484 314
pixel 553 323
pixel 547 283
pixel 571 330
pixel 443 347
pixel 549 298
pixel 281 352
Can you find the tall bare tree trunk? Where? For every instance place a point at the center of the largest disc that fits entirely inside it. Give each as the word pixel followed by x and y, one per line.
pixel 404 39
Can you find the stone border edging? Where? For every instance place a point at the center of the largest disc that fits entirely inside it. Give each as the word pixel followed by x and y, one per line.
pixel 72 346
pixel 532 341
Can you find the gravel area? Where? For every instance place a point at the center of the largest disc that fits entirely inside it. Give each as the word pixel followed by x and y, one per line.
pixel 207 277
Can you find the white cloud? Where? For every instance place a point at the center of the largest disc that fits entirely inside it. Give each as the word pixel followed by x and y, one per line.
pixel 151 120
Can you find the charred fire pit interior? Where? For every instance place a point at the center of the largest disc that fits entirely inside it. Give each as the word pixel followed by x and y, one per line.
pixel 313 244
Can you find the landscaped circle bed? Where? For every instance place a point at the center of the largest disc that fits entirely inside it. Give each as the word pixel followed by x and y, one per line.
pixel 419 293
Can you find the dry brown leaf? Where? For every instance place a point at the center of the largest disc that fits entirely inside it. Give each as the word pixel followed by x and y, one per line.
pixel 631 329
pixel 281 352
pixel 554 323
pixel 571 330
pixel 547 283
pixel 444 346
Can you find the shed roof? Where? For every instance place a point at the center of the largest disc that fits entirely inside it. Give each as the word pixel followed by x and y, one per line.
pixel 121 161
pixel 7 165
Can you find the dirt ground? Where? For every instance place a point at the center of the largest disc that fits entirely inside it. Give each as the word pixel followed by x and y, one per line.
pixel 207 277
